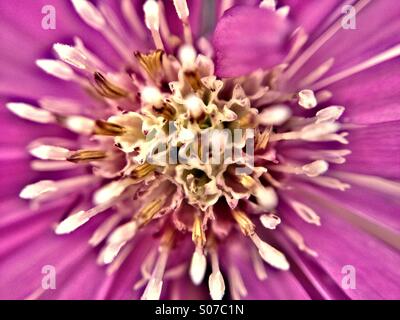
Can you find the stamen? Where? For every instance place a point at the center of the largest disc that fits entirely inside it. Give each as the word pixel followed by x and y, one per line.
pixel 270 221
pixel 275 115
pixel 187 56
pixel 29 112
pixel 150 95
pixel 262 139
pixel 39 165
pixel 298 240
pixel 317 73
pixel 238 289
pixel 151 63
pixel 198 266
pixel 87 155
pixel 266 197
pixel 330 183
pixel 35 190
pixel 142 171
pixel 216 281
pixel 77 124
pixel 89 13
pixel 117 240
pixel 305 212
pixel 78 219
pixel 107 89
pixel 147 213
pixel 315 168
pixel 195 106
pixel 198 234
pixel 258 265
pixel 307 99
pixel 269 254
pixel 104 229
pixel 329 114
pixel 71 56
pixel 111 190
pixel 183 13
pixel 46 152
pixel 105 128
pixel 268 4
pixel 245 224
pixel 283 11
pixel 152 20
pixel 154 287
pixel 56 68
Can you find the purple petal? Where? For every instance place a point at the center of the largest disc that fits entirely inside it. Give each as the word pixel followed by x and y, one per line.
pixel 375 150
pixel 247 38
pixel 339 242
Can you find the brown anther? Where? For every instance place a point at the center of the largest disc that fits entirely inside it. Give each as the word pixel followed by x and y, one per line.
pixel 247 181
pixel 262 139
pixel 198 234
pixel 193 78
pixel 142 171
pixel 166 111
pixel 87 155
pixel 249 120
pixel 147 213
pixel 107 89
pixel 245 224
pixel 105 128
pixel 167 239
pixel 151 63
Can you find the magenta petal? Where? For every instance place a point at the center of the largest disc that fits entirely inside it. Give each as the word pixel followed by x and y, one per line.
pixel 340 243
pixel 247 38
pixel 375 150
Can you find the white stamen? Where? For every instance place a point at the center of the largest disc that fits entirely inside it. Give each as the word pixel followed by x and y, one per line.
pixel 194 105
pixel 60 106
pixel 298 240
pixel 152 19
pixel 154 287
pixel 307 99
pixel 266 197
pixel 330 183
pixel 89 13
pixel 152 15
pixel 109 252
pixel 71 56
pixel 151 96
pixel 104 229
pixel 238 289
pixel 132 17
pixel 258 265
pixel 198 266
pixel 110 191
pixel 78 219
pixel 315 168
pixel 187 56
pixel 79 124
pixel 329 114
pixel 44 165
pixel 269 254
pixel 72 222
pixel 46 152
pixel 123 233
pixel 34 190
pixel 268 4
pixel 372 182
pixel 283 11
pixel 275 115
pixel 305 212
pixel 314 131
pixel 56 68
pixel 29 112
pixel 270 221
pixel 181 9
pixel 216 281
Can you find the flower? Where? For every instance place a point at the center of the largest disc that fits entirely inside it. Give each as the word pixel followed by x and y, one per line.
pixel 128 170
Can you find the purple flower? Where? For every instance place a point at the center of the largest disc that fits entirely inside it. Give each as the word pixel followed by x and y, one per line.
pixel 125 199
